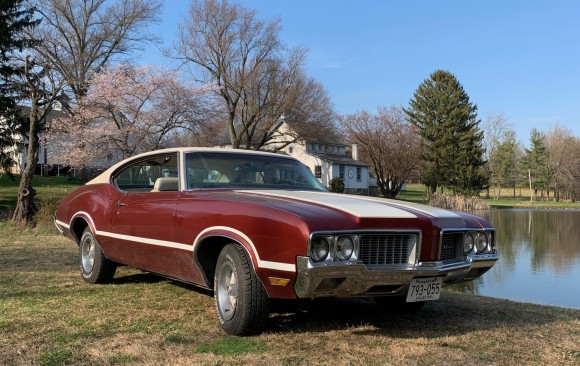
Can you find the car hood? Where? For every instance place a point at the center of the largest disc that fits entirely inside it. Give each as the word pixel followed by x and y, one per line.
pixel 358 206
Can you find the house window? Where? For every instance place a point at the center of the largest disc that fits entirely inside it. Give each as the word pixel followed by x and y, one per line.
pixel 358 174
pixel 341 171
pixel 318 171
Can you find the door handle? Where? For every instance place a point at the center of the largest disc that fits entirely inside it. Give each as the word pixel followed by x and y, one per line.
pixel 119 204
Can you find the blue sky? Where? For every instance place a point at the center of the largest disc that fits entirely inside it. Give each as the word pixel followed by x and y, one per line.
pixel 518 58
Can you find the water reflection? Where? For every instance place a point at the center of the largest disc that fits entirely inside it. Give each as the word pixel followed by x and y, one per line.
pixel 539 258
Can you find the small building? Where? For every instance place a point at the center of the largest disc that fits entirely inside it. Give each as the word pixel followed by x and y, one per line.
pixel 19 151
pixel 328 157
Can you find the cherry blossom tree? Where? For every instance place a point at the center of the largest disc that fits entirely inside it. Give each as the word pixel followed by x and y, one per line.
pixel 128 110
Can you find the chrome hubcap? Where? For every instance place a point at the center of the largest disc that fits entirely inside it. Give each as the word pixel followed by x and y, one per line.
pixel 88 254
pixel 227 291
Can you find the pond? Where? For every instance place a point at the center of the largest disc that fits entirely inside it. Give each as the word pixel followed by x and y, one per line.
pixel 539 258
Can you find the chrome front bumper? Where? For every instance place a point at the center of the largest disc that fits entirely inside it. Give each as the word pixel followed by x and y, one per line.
pixel 355 279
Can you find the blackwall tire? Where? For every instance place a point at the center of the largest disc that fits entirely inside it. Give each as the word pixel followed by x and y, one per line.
pixel 241 302
pixel 95 267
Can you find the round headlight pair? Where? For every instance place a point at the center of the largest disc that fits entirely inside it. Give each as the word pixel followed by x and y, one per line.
pixel 320 247
pixel 478 240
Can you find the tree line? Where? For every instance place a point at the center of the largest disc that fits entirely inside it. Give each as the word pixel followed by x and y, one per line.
pixel 236 81
pixel 439 140
pixel 549 168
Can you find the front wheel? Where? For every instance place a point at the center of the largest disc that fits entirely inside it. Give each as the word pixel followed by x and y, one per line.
pixel 95 267
pixel 242 304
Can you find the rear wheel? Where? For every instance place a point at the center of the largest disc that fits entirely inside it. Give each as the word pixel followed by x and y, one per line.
pixel 398 304
pixel 95 267
pixel 242 304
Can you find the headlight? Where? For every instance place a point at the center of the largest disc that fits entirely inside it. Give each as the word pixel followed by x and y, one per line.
pixel 468 243
pixel 482 242
pixel 344 248
pixel 319 248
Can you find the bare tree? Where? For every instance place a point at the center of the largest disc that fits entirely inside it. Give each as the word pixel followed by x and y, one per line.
pixel 495 127
pixel 80 37
pixel 42 90
pixel 389 143
pixel 258 80
pixel 563 161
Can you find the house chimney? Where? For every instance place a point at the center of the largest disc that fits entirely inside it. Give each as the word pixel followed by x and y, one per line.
pixel 355 151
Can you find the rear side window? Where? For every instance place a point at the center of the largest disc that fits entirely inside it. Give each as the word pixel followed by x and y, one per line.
pixel 142 175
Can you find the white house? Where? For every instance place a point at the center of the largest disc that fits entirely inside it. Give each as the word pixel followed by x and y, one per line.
pixel 19 151
pixel 328 157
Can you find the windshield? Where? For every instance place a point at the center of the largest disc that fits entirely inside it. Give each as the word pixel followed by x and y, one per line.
pixel 243 171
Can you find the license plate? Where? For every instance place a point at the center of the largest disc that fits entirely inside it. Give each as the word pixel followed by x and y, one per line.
pixel 424 289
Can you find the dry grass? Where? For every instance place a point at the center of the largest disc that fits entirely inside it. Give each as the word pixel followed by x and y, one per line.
pixel 49 316
pixel 457 203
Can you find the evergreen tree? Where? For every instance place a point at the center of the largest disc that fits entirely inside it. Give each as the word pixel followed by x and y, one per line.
pixel 506 157
pixel 14 19
pixel 449 129
pixel 535 160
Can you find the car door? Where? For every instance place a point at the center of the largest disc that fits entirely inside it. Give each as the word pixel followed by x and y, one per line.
pixel 143 221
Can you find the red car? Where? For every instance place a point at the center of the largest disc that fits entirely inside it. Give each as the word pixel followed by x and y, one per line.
pixel 254 226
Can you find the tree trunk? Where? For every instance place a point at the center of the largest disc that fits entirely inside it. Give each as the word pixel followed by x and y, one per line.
pixel 25 206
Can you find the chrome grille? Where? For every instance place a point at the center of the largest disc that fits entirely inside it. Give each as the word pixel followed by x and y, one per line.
pixel 452 246
pixel 389 248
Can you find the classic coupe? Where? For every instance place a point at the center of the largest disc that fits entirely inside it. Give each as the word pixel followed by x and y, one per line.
pixel 256 226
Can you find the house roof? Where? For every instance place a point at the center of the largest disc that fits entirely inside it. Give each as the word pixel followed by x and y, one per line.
pixel 320 133
pixel 338 159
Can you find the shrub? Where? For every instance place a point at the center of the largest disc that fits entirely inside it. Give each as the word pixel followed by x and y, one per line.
pixel 336 185
pixel 457 202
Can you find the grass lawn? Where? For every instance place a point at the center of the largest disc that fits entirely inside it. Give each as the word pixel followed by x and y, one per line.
pixel 49 191
pixel 49 316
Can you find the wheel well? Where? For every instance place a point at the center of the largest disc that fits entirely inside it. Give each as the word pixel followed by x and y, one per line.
pixel 207 254
pixel 78 227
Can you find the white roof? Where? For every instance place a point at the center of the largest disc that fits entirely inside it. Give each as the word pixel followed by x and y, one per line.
pixel 105 177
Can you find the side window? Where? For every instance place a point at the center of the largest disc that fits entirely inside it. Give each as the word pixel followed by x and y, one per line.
pixel 153 174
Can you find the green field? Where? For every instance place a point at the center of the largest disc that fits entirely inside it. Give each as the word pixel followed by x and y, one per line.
pixel 49 191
